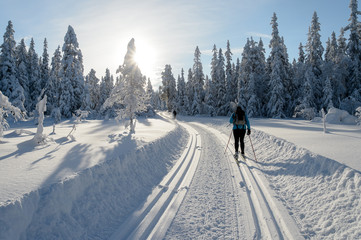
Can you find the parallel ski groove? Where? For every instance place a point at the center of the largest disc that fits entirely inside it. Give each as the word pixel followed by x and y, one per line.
pixel 269 221
pixel 143 221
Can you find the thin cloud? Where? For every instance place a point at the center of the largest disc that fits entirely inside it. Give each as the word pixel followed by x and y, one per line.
pixel 261 35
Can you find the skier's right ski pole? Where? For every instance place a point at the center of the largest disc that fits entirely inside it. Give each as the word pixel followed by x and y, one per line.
pixel 252 148
pixel 230 135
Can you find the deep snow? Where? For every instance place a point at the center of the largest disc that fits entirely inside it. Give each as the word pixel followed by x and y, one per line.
pixel 84 188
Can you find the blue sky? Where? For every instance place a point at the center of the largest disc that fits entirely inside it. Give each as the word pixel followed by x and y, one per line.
pixel 166 31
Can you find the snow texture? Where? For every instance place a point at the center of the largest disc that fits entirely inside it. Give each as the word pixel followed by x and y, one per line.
pixel 85 188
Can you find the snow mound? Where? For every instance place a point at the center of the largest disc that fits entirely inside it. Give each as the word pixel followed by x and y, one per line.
pixel 322 195
pixel 337 116
pixel 97 200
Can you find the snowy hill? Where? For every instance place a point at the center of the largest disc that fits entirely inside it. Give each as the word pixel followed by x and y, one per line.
pixel 86 187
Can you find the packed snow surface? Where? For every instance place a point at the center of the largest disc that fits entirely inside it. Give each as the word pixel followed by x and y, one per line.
pixel 84 185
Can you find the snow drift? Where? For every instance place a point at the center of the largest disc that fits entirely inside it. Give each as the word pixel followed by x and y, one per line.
pixel 95 201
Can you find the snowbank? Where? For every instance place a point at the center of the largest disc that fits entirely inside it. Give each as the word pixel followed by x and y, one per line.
pixel 322 195
pixel 92 203
pixel 337 116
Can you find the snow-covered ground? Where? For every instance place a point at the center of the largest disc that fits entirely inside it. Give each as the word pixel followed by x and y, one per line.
pixel 86 187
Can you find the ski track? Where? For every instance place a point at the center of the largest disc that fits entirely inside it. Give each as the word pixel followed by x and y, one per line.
pixel 214 207
pixel 271 219
pixel 207 195
pixel 152 219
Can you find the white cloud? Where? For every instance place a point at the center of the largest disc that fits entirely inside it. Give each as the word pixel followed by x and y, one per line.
pixel 260 35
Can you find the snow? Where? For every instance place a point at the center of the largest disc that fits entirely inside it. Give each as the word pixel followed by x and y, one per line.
pixel 86 187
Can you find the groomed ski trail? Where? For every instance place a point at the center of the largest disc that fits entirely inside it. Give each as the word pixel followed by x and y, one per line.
pixel 153 218
pixel 270 218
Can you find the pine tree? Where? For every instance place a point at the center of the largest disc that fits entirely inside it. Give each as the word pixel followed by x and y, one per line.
pixel 22 71
pixel 92 82
pixel 151 101
pixel 279 74
pixel 221 105
pixel 34 77
pixel 181 94
pixel 328 94
pixel 106 87
pixel 44 67
pixel 354 51
pixel 198 83
pixel 245 71
pixel 314 59
pixel 129 90
pixel 9 83
pixel 169 91
pixel 71 73
pixel 53 86
pixel 342 62
pixel 231 85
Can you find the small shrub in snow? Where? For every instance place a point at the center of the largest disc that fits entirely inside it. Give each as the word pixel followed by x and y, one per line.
pixel 358 115
pixel 6 108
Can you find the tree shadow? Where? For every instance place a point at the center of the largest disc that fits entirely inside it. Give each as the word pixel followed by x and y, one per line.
pixel 73 162
pixel 23 147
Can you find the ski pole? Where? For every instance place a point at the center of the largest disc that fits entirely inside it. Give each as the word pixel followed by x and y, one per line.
pixel 230 135
pixel 252 148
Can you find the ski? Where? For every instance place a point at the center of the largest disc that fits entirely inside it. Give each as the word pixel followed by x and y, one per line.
pixel 236 158
pixel 243 157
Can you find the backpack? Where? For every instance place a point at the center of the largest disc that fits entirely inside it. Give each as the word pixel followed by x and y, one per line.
pixel 239 122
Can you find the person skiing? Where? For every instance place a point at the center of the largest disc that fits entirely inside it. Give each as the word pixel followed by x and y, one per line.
pixel 174 114
pixel 240 124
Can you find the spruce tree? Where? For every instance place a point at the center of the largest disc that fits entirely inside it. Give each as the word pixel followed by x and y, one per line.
pixel 314 59
pixel 92 82
pixel 169 92
pixel 9 83
pixel 106 87
pixel 34 77
pixel 278 74
pixel 198 83
pixel 71 73
pixel 53 86
pixel 22 71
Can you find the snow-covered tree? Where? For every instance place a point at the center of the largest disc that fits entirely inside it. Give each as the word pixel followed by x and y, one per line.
pixel 39 137
pixel 314 59
pixel 53 86
pixel 106 86
pixel 198 83
pixel 169 92
pixel 129 90
pixel 71 74
pixel 354 50
pixel 6 108
pixel 92 83
pixel 34 77
pixel 231 83
pixel 278 74
pixel 182 102
pixel 328 94
pixel 22 71
pixel 9 83
pixel 221 105
pixel 44 68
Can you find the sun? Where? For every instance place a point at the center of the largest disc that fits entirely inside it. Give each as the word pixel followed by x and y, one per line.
pixel 145 56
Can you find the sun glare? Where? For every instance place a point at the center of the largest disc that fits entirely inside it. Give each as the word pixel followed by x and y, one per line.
pixel 144 57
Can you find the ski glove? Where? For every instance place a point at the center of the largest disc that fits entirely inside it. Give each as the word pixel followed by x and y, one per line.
pixel 249 132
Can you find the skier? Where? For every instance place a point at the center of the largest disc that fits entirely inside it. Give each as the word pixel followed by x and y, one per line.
pixel 240 124
pixel 174 114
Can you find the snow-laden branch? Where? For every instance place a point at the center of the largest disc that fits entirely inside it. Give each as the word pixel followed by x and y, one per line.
pixel 6 108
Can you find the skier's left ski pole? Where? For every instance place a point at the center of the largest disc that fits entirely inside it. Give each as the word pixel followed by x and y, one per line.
pixel 252 148
pixel 230 135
